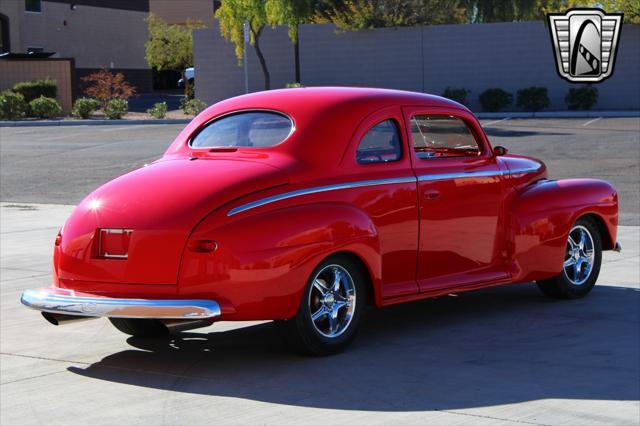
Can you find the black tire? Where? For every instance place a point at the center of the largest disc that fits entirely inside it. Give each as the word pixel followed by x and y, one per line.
pixel 303 335
pixel 565 285
pixel 140 327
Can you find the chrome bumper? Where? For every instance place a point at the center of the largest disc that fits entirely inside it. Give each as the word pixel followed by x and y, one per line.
pixel 68 302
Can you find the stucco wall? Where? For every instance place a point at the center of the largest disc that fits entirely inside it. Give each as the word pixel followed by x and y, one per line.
pixel 60 70
pixel 481 56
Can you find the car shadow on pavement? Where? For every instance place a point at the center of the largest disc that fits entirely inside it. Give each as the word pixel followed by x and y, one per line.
pixel 495 346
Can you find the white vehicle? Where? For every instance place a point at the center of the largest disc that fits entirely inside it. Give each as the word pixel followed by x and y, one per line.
pixel 189 74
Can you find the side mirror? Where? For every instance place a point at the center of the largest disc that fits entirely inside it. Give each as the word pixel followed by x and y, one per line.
pixel 499 150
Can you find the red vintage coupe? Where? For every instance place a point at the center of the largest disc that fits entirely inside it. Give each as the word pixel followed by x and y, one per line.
pixel 306 205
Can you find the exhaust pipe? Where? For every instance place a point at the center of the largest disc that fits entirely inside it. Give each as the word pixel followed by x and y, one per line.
pixel 176 326
pixel 61 319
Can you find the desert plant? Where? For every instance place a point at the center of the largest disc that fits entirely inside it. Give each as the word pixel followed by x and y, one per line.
pixel 495 99
pixel 12 105
pixel 105 85
pixel 116 108
pixel 44 107
pixel 582 98
pixel 159 110
pixel 34 89
pixel 458 95
pixel 84 107
pixel 192 106
pixel 533 99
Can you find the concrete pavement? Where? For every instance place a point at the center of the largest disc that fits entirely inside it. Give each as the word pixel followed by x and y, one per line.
pixel 498 356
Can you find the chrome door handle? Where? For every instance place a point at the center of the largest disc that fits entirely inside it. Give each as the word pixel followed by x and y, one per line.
pixel 431 194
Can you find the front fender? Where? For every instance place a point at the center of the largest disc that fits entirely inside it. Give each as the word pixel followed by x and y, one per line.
pixel 263 261
pixel 542 216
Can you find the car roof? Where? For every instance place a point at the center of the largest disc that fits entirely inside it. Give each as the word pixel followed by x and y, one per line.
pixel 295 100
pixel 324 118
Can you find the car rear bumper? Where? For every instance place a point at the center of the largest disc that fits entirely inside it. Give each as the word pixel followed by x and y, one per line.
pixel 69 302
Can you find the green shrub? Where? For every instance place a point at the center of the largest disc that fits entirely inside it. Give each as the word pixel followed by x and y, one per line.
pixel 193 106
pixel 458 95
pixel 582 98
pixel 533 99
pixel 293 85
pixel 43 107
pixel 190 90
pixel 12 105
pixel 116 108
pixel 84 107
pixel 493 100
pixel 34 89
pixel 159 110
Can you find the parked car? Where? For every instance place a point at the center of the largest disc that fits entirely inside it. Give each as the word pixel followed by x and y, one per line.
pixel 306 205
pixel 189 74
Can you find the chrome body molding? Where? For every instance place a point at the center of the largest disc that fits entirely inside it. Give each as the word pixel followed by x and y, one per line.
pixel 480 174
pixel 359 184
pixel 68 302
pixel 317 189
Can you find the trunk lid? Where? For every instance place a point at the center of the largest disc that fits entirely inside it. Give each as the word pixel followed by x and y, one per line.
pixel 160 204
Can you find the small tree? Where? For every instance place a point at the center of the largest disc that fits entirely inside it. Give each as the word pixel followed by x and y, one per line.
pixel 105 85
pixel 291 13
pixel 170 47
pixel 233 14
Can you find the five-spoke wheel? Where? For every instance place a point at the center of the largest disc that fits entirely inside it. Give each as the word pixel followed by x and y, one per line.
pixel 332 300
pixel 582 259
pixel 331 308
pixel 579 257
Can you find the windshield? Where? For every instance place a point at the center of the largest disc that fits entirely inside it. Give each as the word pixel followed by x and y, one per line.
pixel 257 129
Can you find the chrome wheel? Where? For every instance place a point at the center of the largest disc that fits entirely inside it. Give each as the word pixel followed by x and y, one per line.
pixel 579 257
pixel 332 301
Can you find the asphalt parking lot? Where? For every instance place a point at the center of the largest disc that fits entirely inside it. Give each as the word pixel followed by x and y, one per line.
pixel 497 356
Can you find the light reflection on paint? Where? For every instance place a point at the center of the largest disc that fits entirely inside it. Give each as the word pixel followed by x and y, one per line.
pixel 94 204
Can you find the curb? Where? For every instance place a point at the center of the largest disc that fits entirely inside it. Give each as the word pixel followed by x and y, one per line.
pixel 558 114
pixel 91 122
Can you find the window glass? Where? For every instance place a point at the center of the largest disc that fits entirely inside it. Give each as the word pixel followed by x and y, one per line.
pixel 257 129
pixel 380 144
pixel 437 136
pixel 33 5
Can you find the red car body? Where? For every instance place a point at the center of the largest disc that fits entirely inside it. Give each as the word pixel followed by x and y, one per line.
pixel 246 227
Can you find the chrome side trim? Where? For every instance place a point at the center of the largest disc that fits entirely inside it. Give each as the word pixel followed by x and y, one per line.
pixel 461 175
pixel 317 189
pixel 68 302
pixel 359 184
pixel 466 175
pixel 521 170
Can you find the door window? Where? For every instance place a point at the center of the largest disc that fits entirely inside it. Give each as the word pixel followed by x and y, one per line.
pixel 436 136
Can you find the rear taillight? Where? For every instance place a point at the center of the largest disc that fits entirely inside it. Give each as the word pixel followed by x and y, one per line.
pixel 113 243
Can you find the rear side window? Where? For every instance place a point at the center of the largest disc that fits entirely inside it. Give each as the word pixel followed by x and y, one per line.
pixel 256 129
pixel 380 144
pixel 442 136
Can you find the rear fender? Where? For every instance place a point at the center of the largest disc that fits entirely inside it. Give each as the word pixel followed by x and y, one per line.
pixel 263 261
pixel 542 215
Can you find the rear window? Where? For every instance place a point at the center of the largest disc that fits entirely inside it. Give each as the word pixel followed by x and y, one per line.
pixel 255 129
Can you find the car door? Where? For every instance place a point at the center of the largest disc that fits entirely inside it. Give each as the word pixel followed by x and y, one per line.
pixel 460 196
pixel 379 157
